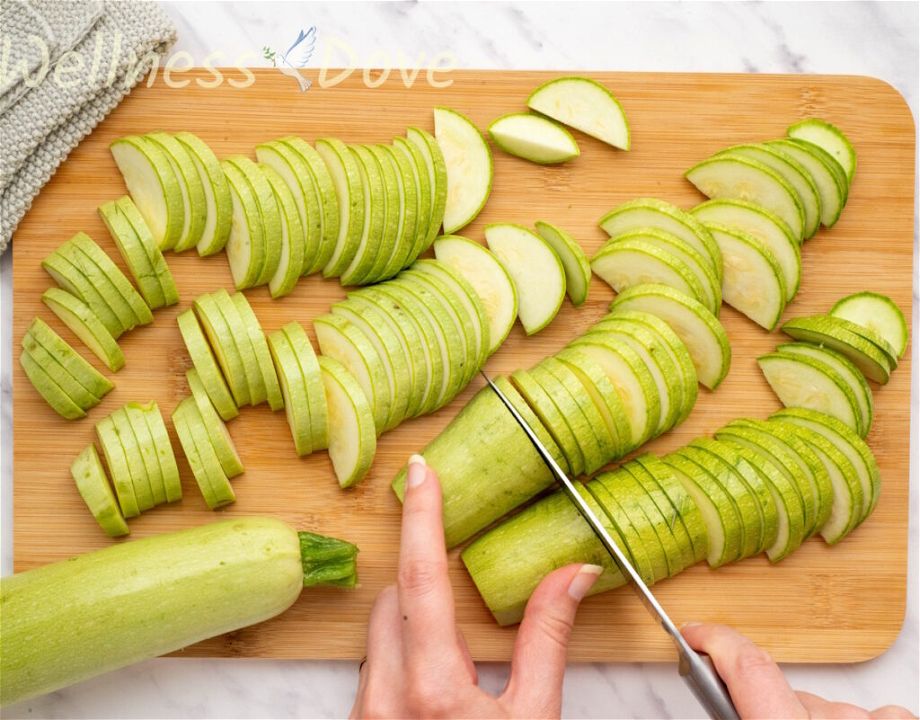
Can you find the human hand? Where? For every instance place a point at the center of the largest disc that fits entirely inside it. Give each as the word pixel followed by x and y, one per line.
pixel 757 685
pixel 418 664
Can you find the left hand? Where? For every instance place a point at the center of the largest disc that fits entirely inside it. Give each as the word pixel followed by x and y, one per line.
pixel 418 664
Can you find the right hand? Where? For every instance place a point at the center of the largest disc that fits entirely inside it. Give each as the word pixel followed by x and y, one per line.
pixel 757 685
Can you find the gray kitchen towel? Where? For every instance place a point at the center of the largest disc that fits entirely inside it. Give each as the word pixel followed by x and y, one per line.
pixel 63 67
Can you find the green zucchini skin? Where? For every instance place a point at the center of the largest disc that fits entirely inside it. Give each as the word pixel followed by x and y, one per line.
pixel 71 620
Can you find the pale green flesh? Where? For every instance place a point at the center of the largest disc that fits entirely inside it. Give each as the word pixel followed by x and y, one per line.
pixel 77 316
pixel 84 373
pixel 654 213
pixel 489 279
pixel 133 253
pixel 216 194
pixel 50 391
pixel 268 213
pixel 309 368
pixel 629 263
pixel 69 277
pixel 94 488
pixel 847 371
pixel 823 331
pixel 877 313
pixel 535 270
pixel 851 445
pixel 134 412
pixel 223 345
pixel 792 172
pixel 828 137
pixel 724 176
pixel 344 343
pixel 410 215
pixel 375 209
pixel 533 138
pixel 468 161
pixel 426 144
pixel 675 349
pixel 423 188
pixel 552 420
pixel 585 105
pixel 293 237
pixel 269 381
pixel 573 258
pixel 346 179
pixel 701 268
pixel 145 237
pixel 245 246
pixel 832 190
pixel 763 225
pixel 698 329
pixel 240 338
pixel 190 186
pixel 352 431
pixel 754 281
pixel 205 363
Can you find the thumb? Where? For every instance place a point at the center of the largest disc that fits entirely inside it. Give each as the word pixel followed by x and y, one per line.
pixel 538 663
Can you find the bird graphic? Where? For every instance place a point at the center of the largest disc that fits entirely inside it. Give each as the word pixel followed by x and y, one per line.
pixel 297 56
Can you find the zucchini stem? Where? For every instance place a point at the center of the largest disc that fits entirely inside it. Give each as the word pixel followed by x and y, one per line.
pixel 327 561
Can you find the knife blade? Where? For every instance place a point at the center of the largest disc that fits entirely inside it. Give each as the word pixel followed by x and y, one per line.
pixel 696 668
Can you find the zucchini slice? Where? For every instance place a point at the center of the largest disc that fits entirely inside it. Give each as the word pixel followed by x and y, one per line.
pixel 878 314
pixel 699 330
pixel 419 171
pixel 375 209
pixel 645 519
pixel 217 202
pixel 153 185
pixel 323 202
pixel 117 463
pixel 142 483
pixel 763 225
pixel 847 371
pixel 793 172
pixel 237 343
pixel 134 412
pixel 217 431
pixel 425 143
pixel 213 483
pixel 93 486
pixel 58 348
pixel 489 279
pixel 265 369
pixel 205 363
pixel 829 178
pixel 133 253
pixel 533 138
pixel 654 213
pixel 831 332
pixel 551 418
pixel 754 282
pixel 627 263
pixel 468 162
pixel 70 278
pixel 585 105
pixel 409 212
pixel 145 237
pixel 164 451
pixel 84 323
pixel 268 211
pixel 351 423
pixel 51 392
pixel 573 258
pixel 246 244
pixel 309 367
pixel 388 239
pixel 292 237
pixel 829 138
pixel 535 270
pixel 342 168
pixel 697 264
pixel 638 545
pixel 190 186
pixel 343 342
pixel 731 176
pixel 59 376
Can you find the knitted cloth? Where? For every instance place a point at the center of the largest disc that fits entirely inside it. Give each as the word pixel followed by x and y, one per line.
pixel 63 67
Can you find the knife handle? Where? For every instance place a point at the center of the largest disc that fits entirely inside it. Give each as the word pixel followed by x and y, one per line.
pixel 700 675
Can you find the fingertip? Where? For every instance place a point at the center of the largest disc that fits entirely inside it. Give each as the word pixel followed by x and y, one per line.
pixel 583 580
pixel 417 472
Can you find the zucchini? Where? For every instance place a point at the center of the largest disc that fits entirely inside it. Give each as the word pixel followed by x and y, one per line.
pixel 71 620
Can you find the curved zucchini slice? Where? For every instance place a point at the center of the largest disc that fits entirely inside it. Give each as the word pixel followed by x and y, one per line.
pixel 352 433
pixel 826 331
pixel 585 105
pixel 468 161
pixel 829 138
pixel 533 138
pixel 877 313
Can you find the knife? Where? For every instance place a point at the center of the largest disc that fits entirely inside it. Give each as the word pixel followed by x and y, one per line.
pixel 695 668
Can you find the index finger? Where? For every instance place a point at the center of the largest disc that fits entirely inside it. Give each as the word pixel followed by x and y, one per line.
pixel 756 684
pixel 426 600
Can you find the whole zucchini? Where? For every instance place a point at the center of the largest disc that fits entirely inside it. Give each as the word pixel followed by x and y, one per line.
pixel 70 620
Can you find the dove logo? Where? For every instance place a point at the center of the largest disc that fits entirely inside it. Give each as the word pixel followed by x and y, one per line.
pixel 295 58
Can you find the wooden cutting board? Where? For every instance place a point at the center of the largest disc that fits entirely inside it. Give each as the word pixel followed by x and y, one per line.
pixel 820 605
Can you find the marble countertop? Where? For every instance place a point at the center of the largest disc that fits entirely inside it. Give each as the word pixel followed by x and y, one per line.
pixel 864 38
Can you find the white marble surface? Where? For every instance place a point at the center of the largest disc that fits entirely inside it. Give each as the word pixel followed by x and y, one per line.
pixel 860 38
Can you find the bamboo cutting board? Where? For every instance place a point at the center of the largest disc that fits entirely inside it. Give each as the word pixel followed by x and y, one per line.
pixel 820 605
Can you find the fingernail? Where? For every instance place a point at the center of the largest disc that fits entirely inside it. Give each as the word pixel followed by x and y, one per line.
pixel 690 625
pixel 583 581
pixel 418 471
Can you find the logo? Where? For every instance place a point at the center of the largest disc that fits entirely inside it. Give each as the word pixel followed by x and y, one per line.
pixel 295 58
